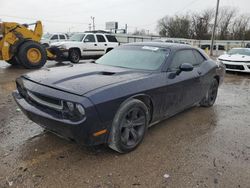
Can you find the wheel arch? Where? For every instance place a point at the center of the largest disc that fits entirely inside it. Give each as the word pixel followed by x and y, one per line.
pixel 147 100
pixel 217 78
pixel 75 48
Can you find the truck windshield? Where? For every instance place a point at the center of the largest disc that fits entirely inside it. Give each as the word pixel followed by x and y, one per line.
pixel 47 36
pixel 136 57
pixel 77 37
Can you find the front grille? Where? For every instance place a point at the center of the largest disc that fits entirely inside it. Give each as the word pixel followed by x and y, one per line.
pixel 45 100
pixel 236 67
pixel 235 61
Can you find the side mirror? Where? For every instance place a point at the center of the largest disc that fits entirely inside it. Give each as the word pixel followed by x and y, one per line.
pixel 185 67
pixel 86 40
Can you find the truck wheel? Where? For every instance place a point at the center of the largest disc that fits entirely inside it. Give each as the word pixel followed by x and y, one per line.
pixel 129 126
pixel 32 55
pixel 74 56
pixel 13 61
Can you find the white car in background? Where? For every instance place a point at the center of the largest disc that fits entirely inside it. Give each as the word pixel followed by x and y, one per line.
pixel 49 38
pixel 88 45
pixel 236 59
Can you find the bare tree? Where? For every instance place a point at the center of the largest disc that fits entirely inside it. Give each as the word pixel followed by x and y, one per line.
pixel 241 28
pixel 177 26
pixel 226 15
pixel 201 24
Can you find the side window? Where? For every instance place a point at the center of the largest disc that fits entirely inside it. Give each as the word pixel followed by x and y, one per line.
pixel 180 57
pixel 100 38
pixel 54 37
pixel 89 38
pixel 62 37
pixel 111 38
pixel 199 58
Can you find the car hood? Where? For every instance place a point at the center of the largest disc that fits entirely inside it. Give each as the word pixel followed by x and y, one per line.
pixel 234 57
pixel 81 79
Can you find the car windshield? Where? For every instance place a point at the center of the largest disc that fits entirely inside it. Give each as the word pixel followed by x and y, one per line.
pixel 47 36
pixel 242 51
pixel 77 37
pixel 136 57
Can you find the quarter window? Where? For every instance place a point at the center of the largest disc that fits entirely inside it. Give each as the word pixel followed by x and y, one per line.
pixel 180 57
pixel 111 38
pixel 199 58
pixel 89 38
pixel 100 38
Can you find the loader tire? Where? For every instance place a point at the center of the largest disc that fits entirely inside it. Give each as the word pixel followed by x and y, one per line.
pixel 32 55
pixel 13 61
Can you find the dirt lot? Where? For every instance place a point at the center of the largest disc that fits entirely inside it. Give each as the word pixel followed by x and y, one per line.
pixel 201 147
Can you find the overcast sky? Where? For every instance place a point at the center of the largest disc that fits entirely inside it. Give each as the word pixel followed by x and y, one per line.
pixel 74 15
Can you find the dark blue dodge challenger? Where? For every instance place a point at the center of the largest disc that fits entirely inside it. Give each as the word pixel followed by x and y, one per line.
pixel 115 99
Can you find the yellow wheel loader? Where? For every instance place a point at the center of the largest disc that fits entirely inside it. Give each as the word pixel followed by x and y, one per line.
pixel 21 45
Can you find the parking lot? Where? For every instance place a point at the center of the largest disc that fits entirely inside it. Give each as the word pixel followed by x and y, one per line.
pixel 201 147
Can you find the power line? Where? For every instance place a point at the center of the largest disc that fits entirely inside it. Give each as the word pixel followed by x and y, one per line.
pixel 44 20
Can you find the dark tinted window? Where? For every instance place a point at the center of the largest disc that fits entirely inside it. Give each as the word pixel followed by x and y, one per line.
pixel 199 57
pixel 89 38
pixel 111 38
pixel 54 37
pixel 62 37
pixel 100 38
pixel 180 57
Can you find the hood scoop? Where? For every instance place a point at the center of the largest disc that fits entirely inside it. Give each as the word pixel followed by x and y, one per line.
pixel 105 73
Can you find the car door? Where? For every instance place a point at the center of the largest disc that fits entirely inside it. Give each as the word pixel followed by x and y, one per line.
pixel 182 90
pixel 62 37
pixel 90 47
pixel 102 44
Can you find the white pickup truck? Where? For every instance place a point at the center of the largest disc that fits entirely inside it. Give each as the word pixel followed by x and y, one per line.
pixel 84 45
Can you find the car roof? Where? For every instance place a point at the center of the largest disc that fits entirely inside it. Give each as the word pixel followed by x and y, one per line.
pixel 161 45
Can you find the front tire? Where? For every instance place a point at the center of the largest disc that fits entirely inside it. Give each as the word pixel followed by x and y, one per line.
pixel 74 56
pixel 32 55
pixel 211 95
pixel 129 126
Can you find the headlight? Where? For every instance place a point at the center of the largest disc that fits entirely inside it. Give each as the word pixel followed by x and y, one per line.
pixel 70 106
pixel 80 109
pixel 73 111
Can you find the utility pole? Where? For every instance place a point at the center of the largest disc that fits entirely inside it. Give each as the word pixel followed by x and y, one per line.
pixel 214 28
pixel 89 26
pixel 93 20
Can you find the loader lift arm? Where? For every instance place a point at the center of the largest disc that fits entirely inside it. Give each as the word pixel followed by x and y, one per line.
pixel 21 45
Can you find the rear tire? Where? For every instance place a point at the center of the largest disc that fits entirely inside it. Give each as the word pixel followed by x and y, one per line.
pixel 129 126
pixel 32 55
pixel 13 61
pixel 211 95
pixel 74 56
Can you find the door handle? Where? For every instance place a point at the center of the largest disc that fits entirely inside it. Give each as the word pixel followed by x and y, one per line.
pixel 95 44
pixel 199 72
pixel 105 44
